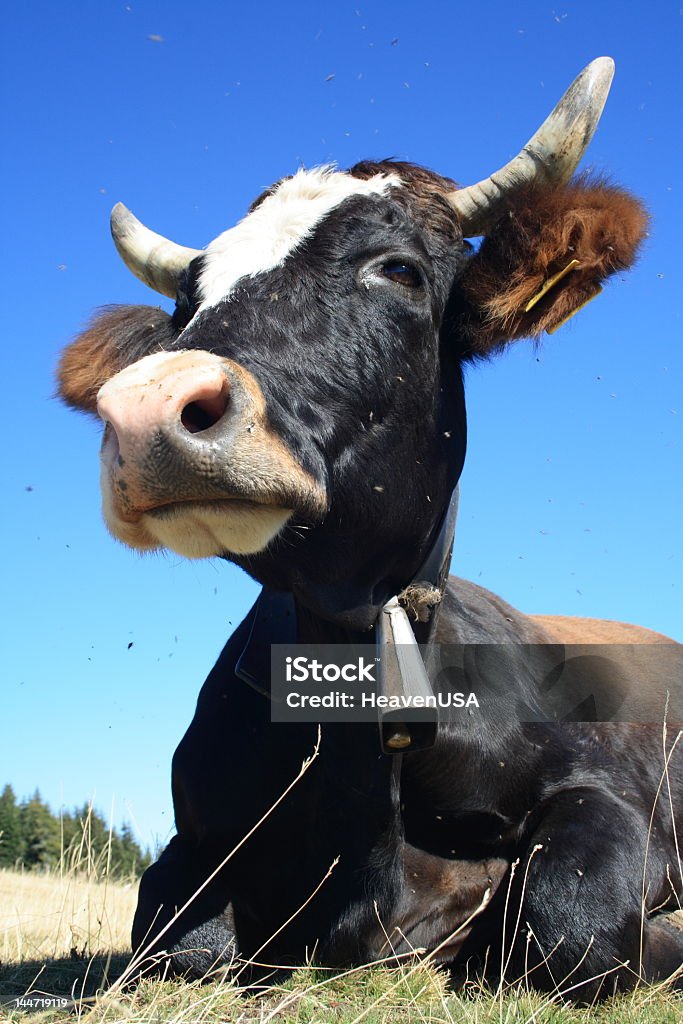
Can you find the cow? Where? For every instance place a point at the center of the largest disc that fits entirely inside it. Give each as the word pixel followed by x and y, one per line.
pixel 301 414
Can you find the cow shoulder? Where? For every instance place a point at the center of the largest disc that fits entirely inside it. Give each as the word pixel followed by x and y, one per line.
pixel 569 629
pixel 470 614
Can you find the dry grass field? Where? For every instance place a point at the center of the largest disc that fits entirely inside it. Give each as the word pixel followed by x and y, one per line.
pixel 64 956
pixel 45 917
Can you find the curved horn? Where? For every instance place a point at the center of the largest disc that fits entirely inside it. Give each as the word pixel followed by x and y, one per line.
pixel 551 155
pixel 153 258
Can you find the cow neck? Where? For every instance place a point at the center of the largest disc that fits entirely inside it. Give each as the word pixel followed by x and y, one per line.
pixel 278 618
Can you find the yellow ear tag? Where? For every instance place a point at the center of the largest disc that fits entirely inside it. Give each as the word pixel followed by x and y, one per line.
pixel 550 283
pixel 598 289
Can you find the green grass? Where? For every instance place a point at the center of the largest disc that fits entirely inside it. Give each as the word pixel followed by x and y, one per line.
pixel 376 995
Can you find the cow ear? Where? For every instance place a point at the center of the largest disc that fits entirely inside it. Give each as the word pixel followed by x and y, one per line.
pixel 116 337
pixel 545 260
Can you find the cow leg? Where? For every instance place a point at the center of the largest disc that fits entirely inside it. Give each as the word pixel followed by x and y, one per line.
pixel 200 938
pixel 662 950
pixel 581 901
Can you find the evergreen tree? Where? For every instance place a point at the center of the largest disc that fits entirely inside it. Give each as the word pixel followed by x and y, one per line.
pixel 10 829
pixel 40 833
pixel 96 838
pixel 33 837
pixel 69 831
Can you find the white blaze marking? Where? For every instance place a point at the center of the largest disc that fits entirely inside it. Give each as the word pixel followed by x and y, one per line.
pixel 265 237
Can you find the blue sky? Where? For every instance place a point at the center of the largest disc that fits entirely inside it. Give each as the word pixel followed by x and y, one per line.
pixel 573 490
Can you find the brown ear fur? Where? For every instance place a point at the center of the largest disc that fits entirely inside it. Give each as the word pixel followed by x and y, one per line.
pixel 591 221
pixel 115 338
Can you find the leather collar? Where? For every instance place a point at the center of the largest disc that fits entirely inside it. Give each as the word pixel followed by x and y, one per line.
pixel 408 618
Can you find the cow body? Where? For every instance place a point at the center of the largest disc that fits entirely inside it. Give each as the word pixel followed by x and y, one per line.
pixel 302 414
pixel 419 840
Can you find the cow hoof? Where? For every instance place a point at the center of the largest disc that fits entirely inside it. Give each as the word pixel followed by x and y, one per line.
pixel 205 953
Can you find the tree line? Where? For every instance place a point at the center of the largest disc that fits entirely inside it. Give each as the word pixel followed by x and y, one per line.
pixel 33 837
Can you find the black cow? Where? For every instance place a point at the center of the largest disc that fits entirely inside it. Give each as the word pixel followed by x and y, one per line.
pixel 302 414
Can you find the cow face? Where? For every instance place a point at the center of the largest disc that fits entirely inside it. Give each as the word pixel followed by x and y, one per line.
pixel 302 412
pixel 302 390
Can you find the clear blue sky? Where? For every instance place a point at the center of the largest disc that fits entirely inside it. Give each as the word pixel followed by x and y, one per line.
pixel 573 490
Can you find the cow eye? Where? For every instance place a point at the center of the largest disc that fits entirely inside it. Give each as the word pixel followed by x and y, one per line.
pixel 402 273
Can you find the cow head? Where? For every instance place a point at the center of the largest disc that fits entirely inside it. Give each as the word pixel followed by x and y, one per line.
pixel 301 412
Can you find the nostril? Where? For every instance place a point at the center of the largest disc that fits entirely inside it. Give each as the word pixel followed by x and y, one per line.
pixel 111 452
pixel 203 413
